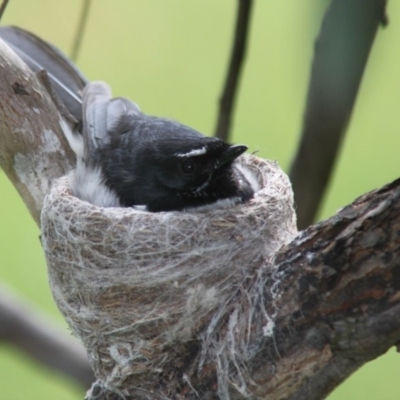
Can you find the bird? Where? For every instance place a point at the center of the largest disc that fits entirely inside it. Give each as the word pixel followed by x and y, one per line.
pixel 126 158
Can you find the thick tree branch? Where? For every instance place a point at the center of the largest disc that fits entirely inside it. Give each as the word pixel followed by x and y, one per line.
pixel 25 327
pixel 33 149
pixel 335 295
pixel 341 53
pixel 33 152
pixel 227 100
pixel 339 296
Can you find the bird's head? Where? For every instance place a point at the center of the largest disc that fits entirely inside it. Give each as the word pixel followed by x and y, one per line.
pixel 189 165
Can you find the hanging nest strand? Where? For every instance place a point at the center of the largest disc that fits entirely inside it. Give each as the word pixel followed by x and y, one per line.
pixel 168 296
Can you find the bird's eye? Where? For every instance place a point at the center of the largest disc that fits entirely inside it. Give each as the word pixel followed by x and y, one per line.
pixel 188 166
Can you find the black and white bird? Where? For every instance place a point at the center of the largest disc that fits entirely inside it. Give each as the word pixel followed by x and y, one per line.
pixel 127 158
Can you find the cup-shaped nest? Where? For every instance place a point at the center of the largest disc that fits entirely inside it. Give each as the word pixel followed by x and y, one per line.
pixel 133 285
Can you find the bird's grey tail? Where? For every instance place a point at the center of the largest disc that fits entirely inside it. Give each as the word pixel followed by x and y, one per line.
pixel 104 118
pixel 96 98
pixel 102 121
pixel 66 79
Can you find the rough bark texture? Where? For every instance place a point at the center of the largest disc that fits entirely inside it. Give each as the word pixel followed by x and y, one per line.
pixel 339 304
pixel 34 152
pixel 33 149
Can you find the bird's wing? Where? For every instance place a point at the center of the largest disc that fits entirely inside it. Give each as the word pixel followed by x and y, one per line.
pixel 104 118
pixel 121 112
pixel 67 81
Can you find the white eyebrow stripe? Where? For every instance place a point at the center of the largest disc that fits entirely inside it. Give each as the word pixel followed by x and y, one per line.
pixel 192 153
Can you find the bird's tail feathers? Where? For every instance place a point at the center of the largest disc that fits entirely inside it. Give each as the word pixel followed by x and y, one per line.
pixel 103 117
pixel 67 81
pixel 96 98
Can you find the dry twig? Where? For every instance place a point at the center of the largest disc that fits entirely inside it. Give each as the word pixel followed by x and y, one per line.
pixel 81 29
pixel 3 8
pixel 227 100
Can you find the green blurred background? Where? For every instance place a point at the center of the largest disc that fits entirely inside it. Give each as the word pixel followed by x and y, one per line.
pixel 170 57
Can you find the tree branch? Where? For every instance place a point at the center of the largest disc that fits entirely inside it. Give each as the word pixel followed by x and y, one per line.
pixel 34 333
pixel 339 298
pixel 33 149
pixel 227 99
pixel 341 53
pixel 34 152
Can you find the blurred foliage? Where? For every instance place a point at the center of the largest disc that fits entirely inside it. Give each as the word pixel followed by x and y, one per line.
pixel 170 57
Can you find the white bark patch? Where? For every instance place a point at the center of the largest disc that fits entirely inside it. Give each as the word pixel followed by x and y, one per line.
pixel 25 130
pixel 51 142
pixel 33 168
pixel 30 171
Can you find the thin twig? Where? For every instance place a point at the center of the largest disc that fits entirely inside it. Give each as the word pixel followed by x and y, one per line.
pixel 227 99
pixel 3 8
pixel 341 54
pixel 81 29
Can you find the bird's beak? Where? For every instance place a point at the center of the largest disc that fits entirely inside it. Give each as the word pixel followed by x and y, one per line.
pixel 231 153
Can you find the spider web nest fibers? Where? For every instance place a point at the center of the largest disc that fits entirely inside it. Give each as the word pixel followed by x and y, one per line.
pixel 139 289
